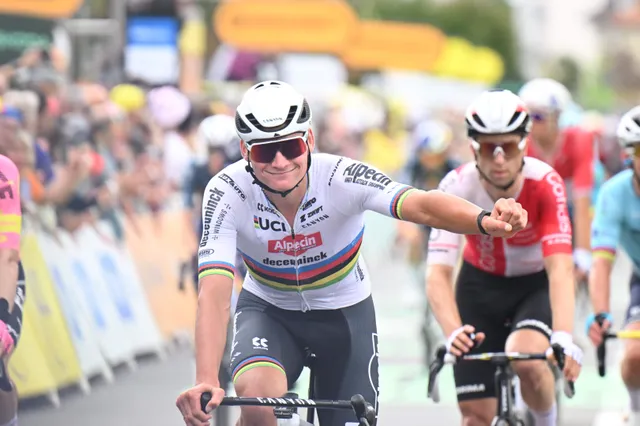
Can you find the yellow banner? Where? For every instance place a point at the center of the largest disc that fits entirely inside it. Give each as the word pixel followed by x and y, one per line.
pixel 391 45
pixel 158 245
pixel 317 26
pixel 331 26
pixel 48 322
pixel 53 9
pixel 28 366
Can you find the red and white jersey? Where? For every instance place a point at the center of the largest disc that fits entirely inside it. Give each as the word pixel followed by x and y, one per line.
pixel 573 160
pixel 548 231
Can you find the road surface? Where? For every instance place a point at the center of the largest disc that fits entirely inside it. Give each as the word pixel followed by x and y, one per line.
pixel 147 395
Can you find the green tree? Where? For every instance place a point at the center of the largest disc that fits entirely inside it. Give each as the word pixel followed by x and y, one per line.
pixel 567 71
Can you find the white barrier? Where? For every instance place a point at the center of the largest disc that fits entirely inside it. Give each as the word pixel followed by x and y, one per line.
pixel 120 277
pixel 75 309
pixel 115 341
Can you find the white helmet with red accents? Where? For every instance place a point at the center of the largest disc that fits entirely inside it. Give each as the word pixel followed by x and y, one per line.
pixel 497 112
pixel 629 128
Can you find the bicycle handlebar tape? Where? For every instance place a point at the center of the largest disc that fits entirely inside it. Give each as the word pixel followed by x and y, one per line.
pixel 204 400
pixel 359 405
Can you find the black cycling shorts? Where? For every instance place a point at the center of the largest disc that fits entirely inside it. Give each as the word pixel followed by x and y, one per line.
pixel 345 342
pixel 496 306
pixel 14 321
pixel 633 312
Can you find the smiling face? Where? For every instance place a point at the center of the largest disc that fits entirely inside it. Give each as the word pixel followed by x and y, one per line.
pixel 282 163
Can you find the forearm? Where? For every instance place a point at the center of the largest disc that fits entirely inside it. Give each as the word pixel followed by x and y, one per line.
pixel 9 275
pixel 212 319
pixel 444 211
pixel 562 298
pixel 582 222
pixel 442 302
pixel 599 287
pixel 61 189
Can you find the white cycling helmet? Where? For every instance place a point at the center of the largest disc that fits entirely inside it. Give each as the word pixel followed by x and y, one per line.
pixel 271 109
pixel 629 128
pixel 218 131
pixel 545 94
pixel 497 112
pixel 433 136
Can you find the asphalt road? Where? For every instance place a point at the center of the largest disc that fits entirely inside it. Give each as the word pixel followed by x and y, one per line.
pixel 147 395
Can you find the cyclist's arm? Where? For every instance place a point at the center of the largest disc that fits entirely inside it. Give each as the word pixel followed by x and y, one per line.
pixel 605 235
pixel 10 228
pixel 583 181
pixel 444 248
pixel 366 188
pixel 216 259
pixel 557 250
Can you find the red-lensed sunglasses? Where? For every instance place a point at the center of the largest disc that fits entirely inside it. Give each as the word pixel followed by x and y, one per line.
pixel 266 152
pixel 490 150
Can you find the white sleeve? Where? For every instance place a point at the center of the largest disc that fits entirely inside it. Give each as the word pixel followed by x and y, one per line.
pixel 444 246
pixel 362 187
pixel 217 253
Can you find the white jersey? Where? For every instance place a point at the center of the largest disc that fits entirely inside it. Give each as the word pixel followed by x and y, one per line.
pixel 317 263
pixel 548 231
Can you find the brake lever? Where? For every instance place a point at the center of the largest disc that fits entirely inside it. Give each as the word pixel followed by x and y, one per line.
pixel 434 369
pixel 558 353
pixel 601 350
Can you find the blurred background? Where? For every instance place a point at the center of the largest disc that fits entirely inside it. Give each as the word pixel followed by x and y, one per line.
pixel 100 105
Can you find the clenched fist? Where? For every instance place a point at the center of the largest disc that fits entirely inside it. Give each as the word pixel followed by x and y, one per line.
pixel 506 219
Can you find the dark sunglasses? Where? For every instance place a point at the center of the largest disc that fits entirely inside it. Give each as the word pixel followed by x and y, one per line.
pixel 266 152
pixel 538 116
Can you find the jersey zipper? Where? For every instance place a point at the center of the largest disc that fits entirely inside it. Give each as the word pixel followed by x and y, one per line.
pixel 303 301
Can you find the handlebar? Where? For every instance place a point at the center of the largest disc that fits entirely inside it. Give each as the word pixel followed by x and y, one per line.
pixel 498 358
pixel 365 413
pixel 601 350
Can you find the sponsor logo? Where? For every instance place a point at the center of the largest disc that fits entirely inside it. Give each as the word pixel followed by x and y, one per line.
pixel 557 187
pixel 315 221
pixel 364 175
pixel 302 260
pixel 295 246
pixel 267 209
pixel 260 343
pixel 266 224
pixel 360 273
pixel 233 185
pixel 470 389
pixel 308 204
pixel 205 252
pixel 486 247
pixel 311 214
pixel 335 169
pixel 215 195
